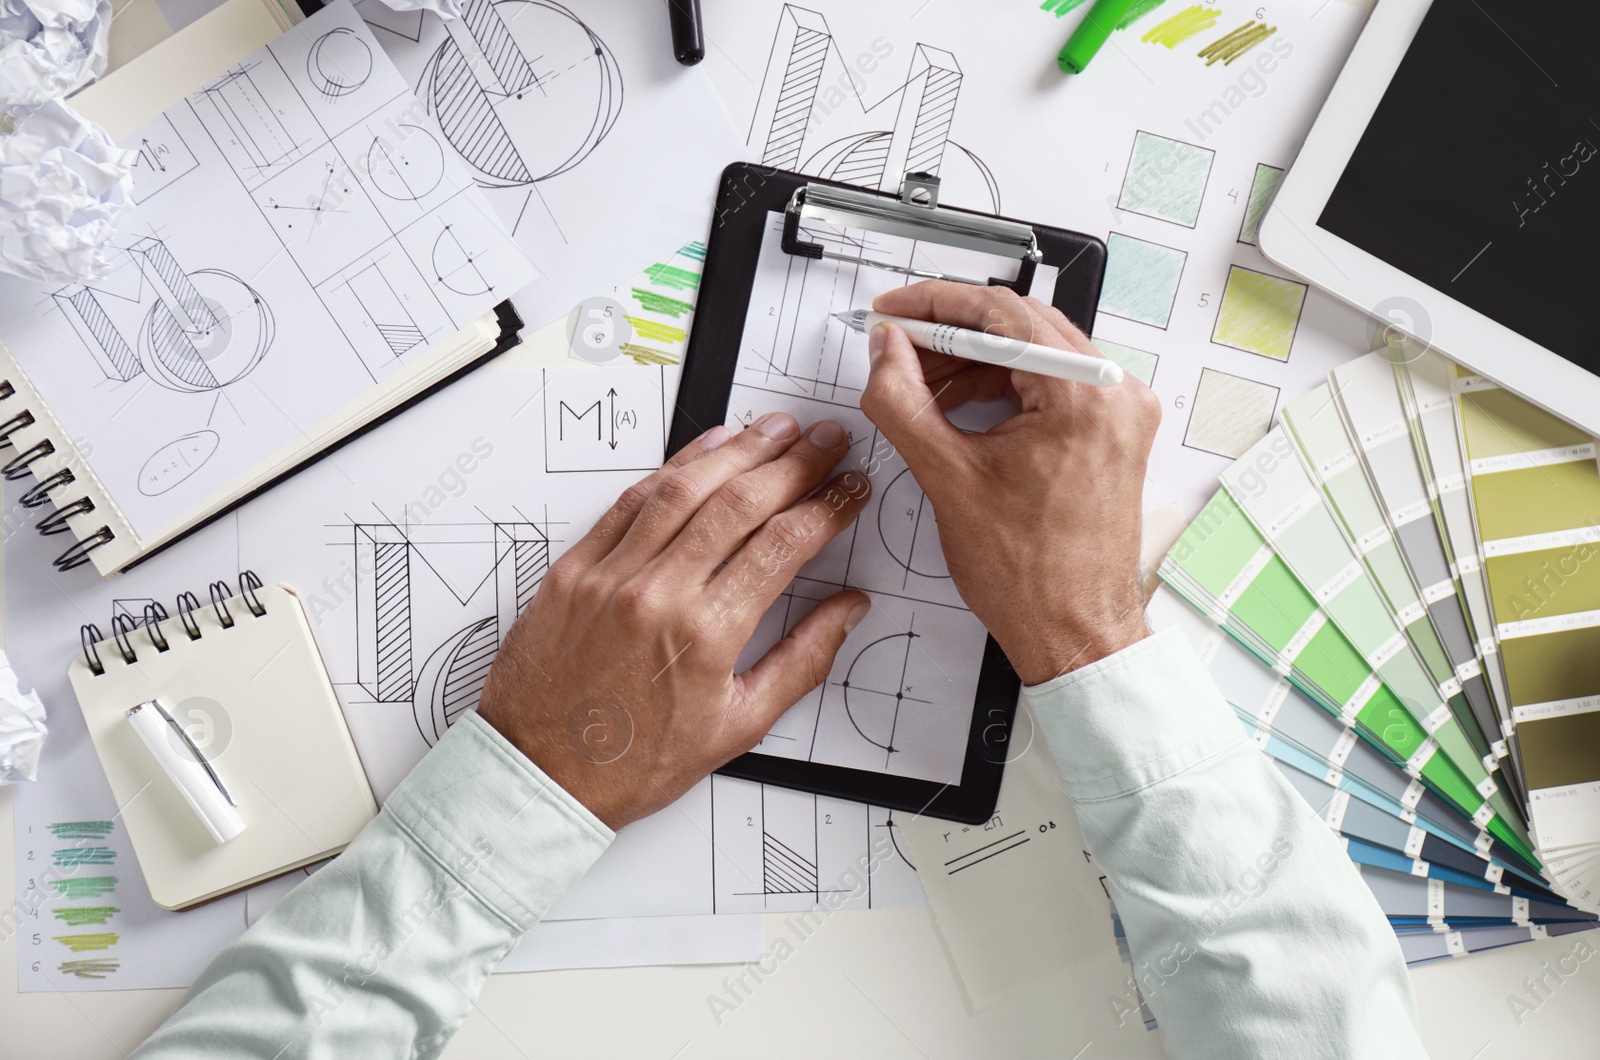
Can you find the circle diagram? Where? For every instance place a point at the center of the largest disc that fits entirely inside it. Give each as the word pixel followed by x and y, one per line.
pixel 523 90
pixel 338 63
pixel 407 170
pixel 908 531
pixel 206 333
pixel 875 687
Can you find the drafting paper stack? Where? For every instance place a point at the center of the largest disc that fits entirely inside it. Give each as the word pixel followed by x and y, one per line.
pixel 1398 589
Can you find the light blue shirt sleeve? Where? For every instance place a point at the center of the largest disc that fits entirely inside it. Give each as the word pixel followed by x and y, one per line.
pixel 1252 934
pixel 383 952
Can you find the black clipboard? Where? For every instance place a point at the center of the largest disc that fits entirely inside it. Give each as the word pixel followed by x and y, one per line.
pixel 748 195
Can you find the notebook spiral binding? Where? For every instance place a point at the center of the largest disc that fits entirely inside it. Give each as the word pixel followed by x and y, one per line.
pixel 123 627
pixel 40 492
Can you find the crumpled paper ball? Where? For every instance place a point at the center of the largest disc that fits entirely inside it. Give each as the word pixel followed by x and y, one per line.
pixel 63 184
pixel 49 48
pixel 447 10
pixel 22 728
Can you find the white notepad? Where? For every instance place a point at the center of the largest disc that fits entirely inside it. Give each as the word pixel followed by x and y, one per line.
pixel 300 261
pixel 254 695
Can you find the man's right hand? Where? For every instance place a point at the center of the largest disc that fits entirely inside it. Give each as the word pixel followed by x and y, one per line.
pixel 1039 516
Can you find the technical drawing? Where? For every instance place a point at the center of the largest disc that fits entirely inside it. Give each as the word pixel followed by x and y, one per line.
pixel 410 169
pixel 193 332
pixel 920 112
pixel 590 429
pixel 776 849
pixel 892 828
pixel 338 63
pixel 784 870
pixel 907 529
pixel 161 157
pixel 433 602
pixel 523 90
pixel 454 268
pixel 386 311
pixel 872 705
pixel 174 462
pixel 251 121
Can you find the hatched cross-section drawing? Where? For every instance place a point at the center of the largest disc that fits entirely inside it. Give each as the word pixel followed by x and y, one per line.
pixel 801 44
pixel 805 64
pixel 433 602
pixel 383 307
pixel 523 90
pixel 192 332
pixel 785 870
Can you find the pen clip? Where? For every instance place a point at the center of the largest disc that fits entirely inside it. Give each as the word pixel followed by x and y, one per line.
pixel 194 749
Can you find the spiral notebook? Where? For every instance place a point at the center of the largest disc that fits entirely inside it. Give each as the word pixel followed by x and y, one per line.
pixel 241 675
pixel 300 261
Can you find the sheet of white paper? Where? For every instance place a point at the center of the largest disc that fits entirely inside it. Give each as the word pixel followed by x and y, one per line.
pixel 1154 150
pixel 899 699
pixel 298 236
pixel 591 143
pixel 1017 899
pixel 616 942
pixel 457 506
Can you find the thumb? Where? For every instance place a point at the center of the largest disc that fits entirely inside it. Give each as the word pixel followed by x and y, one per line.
pixel 796 664
pixel 899 403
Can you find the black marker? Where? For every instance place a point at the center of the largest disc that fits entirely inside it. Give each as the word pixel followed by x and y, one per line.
pixel 688 39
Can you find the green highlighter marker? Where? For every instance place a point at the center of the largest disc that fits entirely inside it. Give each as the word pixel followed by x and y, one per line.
pixel 1091 33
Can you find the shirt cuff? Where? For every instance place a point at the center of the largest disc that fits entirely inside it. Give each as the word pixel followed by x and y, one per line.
pixel 496 823
pixel 1134 718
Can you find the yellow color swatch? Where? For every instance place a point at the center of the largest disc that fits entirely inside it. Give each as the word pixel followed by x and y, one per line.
pixel 1180 27
pixel 1259 313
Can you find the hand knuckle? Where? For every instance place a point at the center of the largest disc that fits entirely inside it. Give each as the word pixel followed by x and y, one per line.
pixel 788 533
pixel 638 601
pixel 743 498
pixel 634 496
pixel 562 577
pixel 681 492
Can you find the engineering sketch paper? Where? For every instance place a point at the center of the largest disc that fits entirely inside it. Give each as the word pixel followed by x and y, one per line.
pixel 595 148
pixel 1168 154
pixel 299 237
pixel 900 697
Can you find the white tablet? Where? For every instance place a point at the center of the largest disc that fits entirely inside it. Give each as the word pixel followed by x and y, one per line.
pixel 1451 185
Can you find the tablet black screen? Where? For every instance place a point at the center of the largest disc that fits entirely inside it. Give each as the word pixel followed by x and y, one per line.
pixel 1479 173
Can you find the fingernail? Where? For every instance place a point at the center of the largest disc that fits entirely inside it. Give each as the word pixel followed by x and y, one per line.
pixel 857 613
pixel 714 437
pixel 826 435
pixel 779 426
pixel 876 341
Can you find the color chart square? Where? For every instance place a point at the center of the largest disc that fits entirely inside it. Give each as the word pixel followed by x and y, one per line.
pixel 1230 413
pixel 1262 189
pixel 1259 313
pixel 1141 280
pixel 1166 179
pixel 1137 363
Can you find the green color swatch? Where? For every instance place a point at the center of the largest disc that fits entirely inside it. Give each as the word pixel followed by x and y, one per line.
pixel 1137 363
pixel 1259 313
pixel 1262 188
pixel 1141 279
pixel 1165 179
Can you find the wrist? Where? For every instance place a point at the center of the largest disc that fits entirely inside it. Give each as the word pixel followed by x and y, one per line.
pixel 1038 659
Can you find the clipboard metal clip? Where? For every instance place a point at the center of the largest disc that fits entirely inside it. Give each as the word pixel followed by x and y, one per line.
pixel 915 214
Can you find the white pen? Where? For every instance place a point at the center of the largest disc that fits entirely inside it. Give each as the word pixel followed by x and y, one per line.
pixel 994 349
